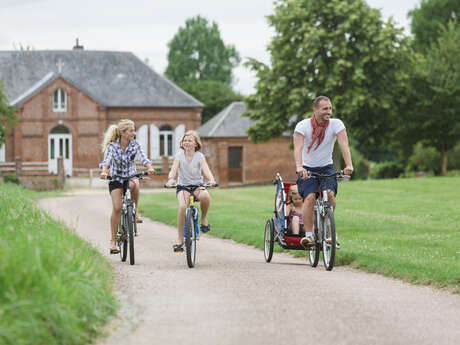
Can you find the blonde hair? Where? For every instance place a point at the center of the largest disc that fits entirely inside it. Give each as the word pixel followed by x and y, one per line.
pixel 293 190
pixel 113 133
pixel 195 136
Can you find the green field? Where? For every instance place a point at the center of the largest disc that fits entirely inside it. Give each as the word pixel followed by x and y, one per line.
pixel 54 287
pixel 403 228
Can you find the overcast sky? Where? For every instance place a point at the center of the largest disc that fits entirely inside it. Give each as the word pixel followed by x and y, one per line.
pixel 146 27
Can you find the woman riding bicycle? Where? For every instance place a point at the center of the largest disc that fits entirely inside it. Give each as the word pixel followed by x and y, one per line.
pixel 120 150
pixel 188 164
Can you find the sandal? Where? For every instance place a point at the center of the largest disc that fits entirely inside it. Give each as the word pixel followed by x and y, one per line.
pixel 205 228
pixel 114 250
pixel 178 248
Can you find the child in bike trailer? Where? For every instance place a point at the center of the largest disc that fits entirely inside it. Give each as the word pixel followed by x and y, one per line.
pixel 294 211
pixel 120 150
pixel 188 165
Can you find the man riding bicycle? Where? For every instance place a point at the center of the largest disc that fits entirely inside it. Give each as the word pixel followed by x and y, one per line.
pixel 314 140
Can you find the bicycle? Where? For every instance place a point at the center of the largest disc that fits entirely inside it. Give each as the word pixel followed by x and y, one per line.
pixel 191 228
pixel 324 234
pixel 127 228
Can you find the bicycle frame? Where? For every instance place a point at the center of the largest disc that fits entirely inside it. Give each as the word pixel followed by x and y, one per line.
pixel 195 216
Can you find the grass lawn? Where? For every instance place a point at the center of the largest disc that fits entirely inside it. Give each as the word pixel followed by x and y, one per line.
pixel 404 228
pixel 54 287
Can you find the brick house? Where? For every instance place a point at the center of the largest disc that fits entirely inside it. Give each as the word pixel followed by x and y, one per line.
pixel 234 159
pixel 65 101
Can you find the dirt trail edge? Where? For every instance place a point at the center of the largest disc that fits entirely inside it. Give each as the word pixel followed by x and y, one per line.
pixel 233 297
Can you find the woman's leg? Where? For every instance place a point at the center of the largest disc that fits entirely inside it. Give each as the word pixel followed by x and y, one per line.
pixel 116 196
pixel 205 201
pixel 183 198
pixel 135 193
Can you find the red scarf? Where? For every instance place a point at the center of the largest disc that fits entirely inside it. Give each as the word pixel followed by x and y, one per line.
pixel 319 132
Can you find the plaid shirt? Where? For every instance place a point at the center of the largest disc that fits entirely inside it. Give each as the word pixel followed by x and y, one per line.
pixel 122 163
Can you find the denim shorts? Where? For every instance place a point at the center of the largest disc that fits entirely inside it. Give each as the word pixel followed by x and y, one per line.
pixel 310 185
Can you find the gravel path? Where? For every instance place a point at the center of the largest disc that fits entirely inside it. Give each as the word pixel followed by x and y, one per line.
pixel 233 297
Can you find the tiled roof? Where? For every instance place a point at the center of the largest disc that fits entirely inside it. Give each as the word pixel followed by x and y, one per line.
pixel 114 79
pixel 229 123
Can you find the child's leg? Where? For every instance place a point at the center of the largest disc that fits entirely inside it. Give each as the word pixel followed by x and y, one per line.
pixel 183 197
pixel 205 201
pixel 295 225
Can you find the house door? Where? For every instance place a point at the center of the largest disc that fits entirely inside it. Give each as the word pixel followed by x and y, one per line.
pixel 235 169
pixel 60 145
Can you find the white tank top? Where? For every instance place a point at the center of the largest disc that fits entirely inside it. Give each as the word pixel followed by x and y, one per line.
pixel 189 174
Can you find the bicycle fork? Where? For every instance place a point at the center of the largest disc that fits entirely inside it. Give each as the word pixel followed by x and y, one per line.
pixel 195 219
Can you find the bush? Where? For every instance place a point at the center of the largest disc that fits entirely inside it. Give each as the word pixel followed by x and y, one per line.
pixel 360 164
pixel 424 158
pixel 453 162
pixel 12 178
pixel 386 170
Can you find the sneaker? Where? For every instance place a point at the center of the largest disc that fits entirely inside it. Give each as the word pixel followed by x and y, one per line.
pixel 178 248
pixel 205 228
pixel 306 241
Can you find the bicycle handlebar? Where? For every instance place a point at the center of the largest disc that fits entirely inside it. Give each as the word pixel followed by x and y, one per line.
pixel 205 185
pixel 138 175
pixel 339 174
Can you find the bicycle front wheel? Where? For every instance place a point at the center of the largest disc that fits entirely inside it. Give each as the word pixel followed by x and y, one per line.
pixel 313 253
pixel 130 223
pixel 121 238
pixel 328 240
pixel 190 238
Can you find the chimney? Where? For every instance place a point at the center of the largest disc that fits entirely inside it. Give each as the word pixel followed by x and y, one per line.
pixel 78 46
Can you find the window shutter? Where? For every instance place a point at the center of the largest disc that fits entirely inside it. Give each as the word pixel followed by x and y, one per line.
pixel 154 142
pixel 2 152
pixel 142 139
pixel 178 134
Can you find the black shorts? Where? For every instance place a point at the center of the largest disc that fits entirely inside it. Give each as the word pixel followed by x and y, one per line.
pixel 191 190
pixel 310 185
pixel 116 185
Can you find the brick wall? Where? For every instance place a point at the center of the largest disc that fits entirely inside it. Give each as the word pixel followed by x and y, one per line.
pixel 86 120
pixel 260 162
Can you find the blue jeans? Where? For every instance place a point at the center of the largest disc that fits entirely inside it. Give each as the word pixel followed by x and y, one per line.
pixel 310 185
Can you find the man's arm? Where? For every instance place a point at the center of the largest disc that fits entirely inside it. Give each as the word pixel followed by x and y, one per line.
pixel 342 139
pixel 298 146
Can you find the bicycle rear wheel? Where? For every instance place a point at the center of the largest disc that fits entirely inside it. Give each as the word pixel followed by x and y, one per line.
pixel 313 254
pixel 121 238
pixel 130 224
pixel 190 238
pixel 269 239
pixel 328 240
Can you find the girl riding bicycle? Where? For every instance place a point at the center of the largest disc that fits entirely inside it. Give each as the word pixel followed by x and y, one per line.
pixel 120 150
pixel 188 165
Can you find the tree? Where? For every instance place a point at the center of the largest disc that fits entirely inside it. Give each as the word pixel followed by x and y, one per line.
pixel 438 103
pixel 428 18
pixel 214 94
pixel 341 49
pixel 198 53
pixel 7 115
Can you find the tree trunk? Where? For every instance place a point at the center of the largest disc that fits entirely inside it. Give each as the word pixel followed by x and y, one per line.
pixel 444 163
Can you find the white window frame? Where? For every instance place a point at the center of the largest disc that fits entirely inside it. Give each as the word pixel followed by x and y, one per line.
pixel 59 101
pixel 165 133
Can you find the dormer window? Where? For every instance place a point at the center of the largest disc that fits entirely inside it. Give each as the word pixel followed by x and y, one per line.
pixel 60 101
